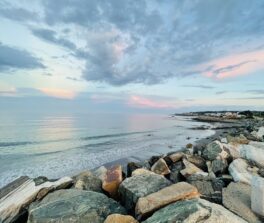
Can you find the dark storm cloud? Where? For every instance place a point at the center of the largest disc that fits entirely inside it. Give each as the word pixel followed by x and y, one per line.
pixel 13 58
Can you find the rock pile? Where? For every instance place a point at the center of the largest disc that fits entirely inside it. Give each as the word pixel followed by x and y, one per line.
pixel 219 182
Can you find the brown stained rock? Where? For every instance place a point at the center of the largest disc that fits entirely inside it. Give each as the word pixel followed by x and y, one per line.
pixel 118 218
pixel 160 167
pixel 150 203
pixel 175 157
pixel 112 180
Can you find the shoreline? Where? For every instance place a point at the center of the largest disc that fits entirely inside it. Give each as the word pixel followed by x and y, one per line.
pixel 217 173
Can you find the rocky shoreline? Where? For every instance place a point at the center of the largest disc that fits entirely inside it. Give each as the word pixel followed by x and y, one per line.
pixel 218 179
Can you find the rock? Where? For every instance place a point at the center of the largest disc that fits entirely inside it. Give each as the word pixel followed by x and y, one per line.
pixel 180 191
pixel 118 218
pixel 154 159
pixel 227 179
pixel 100 173
pixel 259 145
pixel 175 174
pixel 261 172
pixel 257 195
pixel 219 166
pixel 233 150
pixel 214 150
pixel 236 198
pixel 259 134
pixel 252 153
pixel 239 170
pixel 141 171
pixel 189 146
pixel 210 169
pixel 160 167
pixel 191 169
pixel 175 157
pixel 197 161
pixel 112 180
pixel 132 166
pixel 70 206
pixel 223 140
pixel 132 188
pixel 237 139
pixel 87 181
pixel 196 210
pixel 17 196
pixel 210 190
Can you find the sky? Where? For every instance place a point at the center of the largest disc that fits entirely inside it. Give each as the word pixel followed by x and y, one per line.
pixel 127 55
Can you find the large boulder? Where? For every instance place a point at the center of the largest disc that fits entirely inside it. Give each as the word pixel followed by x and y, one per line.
pixel 160 167
pixel 257 195
pixel 119 218
pixel 210 189
pixel 252 153
pixel 150 203
pixel 19 194
pixel 214 150
pixel 240 170
pixel 87 181
pixel 196 210
pixel 74 206
pixel 112 180
pixel 259 145
pixel 132 188
pixel 236 198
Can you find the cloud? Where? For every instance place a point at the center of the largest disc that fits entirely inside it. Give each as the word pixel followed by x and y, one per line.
pixel 14 58
pixel 199 86
pixel 146 102
pixel 235 65
pixel 135 42
pixel 58 93
pixel 51 37
pixel 221 92
pixel 256 91
pixel 16 13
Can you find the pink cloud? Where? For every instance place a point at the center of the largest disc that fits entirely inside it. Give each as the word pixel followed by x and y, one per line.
pixel 236 65
pixel 139 101
pixel 58 93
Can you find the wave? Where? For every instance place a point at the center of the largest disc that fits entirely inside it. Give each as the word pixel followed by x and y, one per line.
pixel 114 135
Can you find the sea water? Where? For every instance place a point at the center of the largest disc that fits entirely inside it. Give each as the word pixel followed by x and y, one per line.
pixel 56 145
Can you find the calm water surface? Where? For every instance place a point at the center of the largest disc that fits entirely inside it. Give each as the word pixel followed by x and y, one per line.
pixel 55 145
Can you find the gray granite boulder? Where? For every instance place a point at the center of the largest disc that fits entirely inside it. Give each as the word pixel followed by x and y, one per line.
pixel 196 210
pixel 72 206
pixel 212 150
pixel 132 188
pixel 219 166
pixel 87 181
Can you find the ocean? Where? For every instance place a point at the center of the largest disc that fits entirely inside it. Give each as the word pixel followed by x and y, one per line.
pixel 56 145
